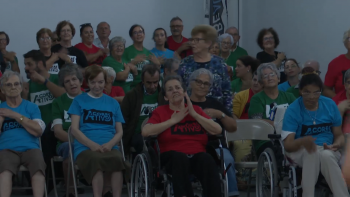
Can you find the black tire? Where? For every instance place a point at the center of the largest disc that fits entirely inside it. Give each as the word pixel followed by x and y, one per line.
pixel 267 166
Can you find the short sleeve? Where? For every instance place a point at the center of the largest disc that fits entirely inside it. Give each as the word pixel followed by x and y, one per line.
pixel 75 108
pixel 331 75
pixel 82 61
pixel 56 113
pixel 337 119
pixel 118 116
pixel 120 91
pixel 155 118
pixel 34 111
pixel 256 108
pixel 290 123
pixel 237 105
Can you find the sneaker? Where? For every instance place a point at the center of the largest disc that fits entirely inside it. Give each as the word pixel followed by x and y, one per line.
pixel 108 194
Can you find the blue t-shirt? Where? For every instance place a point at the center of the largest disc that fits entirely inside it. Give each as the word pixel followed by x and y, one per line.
pixel 98 117
pixel 284 86
pixel 13 135
pixel 300 121
pixel 166 54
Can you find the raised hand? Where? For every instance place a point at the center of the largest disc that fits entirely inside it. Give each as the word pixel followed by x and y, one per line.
pixel 191 110
pixel 180 115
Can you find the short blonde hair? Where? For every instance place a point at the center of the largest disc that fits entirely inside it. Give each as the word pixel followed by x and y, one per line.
pixel 209 32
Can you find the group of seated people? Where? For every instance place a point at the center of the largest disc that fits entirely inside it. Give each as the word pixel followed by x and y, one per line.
pixel 102 92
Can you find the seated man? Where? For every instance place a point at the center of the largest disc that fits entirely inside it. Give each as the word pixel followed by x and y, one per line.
pixel 138 104
pixel 21 126
pixel 312 137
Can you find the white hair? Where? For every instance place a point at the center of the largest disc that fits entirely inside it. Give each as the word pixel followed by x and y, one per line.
pixel 264 66
pixel 346 35
pixel 110 72
pixel 115 40
pixel 224 36
pixel 231 28
pixel 195 75
pixel 7 74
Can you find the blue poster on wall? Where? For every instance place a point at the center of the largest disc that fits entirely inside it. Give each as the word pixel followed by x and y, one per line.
pixel 216 17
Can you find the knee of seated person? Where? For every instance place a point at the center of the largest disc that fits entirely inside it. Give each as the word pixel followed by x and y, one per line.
pixel 327 155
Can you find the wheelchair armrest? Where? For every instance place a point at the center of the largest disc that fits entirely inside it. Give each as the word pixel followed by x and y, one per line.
pixel 274 136
pixel 215 137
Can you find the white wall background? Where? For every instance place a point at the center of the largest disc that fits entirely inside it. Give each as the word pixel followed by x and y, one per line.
pixel 22 19
pixel 308 29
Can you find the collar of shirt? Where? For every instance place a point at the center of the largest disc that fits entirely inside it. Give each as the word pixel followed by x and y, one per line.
pixel 233 50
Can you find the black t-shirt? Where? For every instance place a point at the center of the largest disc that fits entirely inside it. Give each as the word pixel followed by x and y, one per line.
pixel 264 57
pixel 76 55
pixel 215 104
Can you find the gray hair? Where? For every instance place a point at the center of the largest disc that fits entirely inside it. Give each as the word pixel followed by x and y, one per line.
pixel 224 36
pixel 115 40
pixel 346 35
pixel 264 66
pixel 169 63
pixel 196 73
pixel 7 74
pixel 102 23
pixel 308 62
pixel 231 28
pixel 110 72
pixel 68 70
pixel 172 77
pixel 346 75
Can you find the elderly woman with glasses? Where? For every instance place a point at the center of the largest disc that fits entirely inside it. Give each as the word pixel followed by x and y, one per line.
pixel 137 54
pixel 125 71
pixel 115 92
pixel 262 103
pixel 21 127
pixel 268 41
pixel 94 54
pixel 200 82
pixel 203 37
pixel 312 137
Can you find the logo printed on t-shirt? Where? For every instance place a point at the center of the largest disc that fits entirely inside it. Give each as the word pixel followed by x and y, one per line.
pixel 97 116
pixel 146 109
pixel 187 128
pixel 73 59
pixel 42 98
pixel 54 69
pixel 66 116
pixel 268 109
pixel 10 124
pixel 130 78
pixel 316 129
pixel 141 64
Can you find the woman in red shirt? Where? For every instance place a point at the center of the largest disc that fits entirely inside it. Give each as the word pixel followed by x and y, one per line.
pixel 94 55
pixel 182 136
pixel 115 92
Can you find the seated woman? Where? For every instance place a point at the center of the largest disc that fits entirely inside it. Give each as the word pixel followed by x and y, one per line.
pixel 115 92
pixel 182 136
pixel 245 67
pixel 97 127
pixel 312 137
pixel 262 102
pixel 292 71
pixel 215 48
pixel 200 82
pixel 71 79
pixel 21 127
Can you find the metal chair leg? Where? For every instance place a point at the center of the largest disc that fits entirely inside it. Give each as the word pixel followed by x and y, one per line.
pixel 54 177
pixel 68 181
pixel 249 181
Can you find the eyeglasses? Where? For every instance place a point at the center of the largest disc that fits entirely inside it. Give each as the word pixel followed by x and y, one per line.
pixel 309 94
pixel 10 85
pixel 176 26
pixel 138 32
pixel 119 46
pixel 45 39
pixel 195 40
pixel 226 43
pixel 269 38
pixel 200 83
pixel 318 72
pixel 3 40
pixel 234 34
pixel 291 66
pixel 269 75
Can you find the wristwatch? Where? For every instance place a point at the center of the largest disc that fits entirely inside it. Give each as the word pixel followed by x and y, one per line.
pixel 222 116
pixel 21 118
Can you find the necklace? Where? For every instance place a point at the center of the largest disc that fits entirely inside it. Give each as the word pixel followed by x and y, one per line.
pixel 313 119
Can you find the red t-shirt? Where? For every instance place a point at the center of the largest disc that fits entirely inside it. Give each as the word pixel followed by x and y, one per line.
pixel 335 73
pixel 246 107
pixel 341 96
pixel 175 45
pixel 187 136
pixel 116 91
pixel 92 50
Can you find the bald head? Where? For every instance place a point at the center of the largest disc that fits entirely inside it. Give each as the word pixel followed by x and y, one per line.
pixel 103 30
pixel 313 64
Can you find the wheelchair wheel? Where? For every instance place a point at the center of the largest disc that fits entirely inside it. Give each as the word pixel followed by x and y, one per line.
pixel 141 178
pixel 293 185
pixel 267 175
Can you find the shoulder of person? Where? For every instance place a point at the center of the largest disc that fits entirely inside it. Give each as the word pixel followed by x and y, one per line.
pixel 327 101
pixel 77 50
pixel 56 48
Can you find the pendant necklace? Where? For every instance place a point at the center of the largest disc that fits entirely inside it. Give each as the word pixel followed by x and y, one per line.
pixel 313 119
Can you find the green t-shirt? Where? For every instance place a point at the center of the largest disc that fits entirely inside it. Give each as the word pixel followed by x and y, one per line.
pixel 149 102
pixel 232 59
pixel 294 91
pixel 260 107
pixel 119 67
pixel 40 95
pixel 236 85
pixel 60 107
pixel 129 54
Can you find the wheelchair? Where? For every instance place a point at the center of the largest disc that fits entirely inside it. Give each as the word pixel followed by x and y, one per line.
pixel 148 175
pixel 277 175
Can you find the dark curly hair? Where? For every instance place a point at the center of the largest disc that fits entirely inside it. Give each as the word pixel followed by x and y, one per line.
pixel 263 32
pixel 250 61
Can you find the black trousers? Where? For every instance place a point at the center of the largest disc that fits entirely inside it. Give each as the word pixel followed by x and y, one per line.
pixel 201 165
